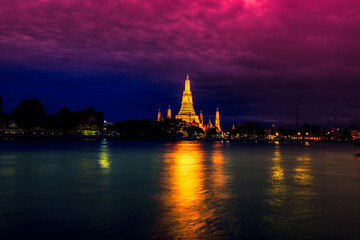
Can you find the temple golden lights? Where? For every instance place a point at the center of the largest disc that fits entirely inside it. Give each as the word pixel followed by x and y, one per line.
pixel 187 112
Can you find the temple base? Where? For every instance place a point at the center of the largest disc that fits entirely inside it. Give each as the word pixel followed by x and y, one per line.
pixel 188 118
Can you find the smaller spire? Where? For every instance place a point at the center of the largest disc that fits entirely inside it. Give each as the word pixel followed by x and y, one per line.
pixel 187 83
pixel 168 113
pixel 209 125
pixel 159 116
pixel 217 119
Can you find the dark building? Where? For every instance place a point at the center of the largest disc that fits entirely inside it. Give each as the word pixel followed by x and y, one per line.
pixel 89 122
pixel 7 122
pixel 86 122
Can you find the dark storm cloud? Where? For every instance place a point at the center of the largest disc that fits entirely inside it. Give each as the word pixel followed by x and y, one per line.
pixel 253 59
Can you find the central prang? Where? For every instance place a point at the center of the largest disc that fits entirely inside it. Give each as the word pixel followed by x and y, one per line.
pixel 187 112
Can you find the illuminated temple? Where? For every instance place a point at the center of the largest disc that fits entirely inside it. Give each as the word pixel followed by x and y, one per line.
pixel 187 112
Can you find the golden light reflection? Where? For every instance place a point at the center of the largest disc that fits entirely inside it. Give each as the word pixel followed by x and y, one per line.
pixel 104 155
pixel 302 171
pixel 186 174
pixel 278 188
pixel 186 194
pixel 218 176
pixel 290 199
pixel 277 172
pixel 191 180
pixel 303 192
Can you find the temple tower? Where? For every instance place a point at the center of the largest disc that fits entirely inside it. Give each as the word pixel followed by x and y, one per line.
pixel 168 113
pixel 159 116
pixel 209 125
pixel 217 119
pixel 201 123
pixel 187 112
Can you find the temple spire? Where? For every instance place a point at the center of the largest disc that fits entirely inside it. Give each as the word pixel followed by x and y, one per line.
pixel 209 125
pixel 217 119
pixel 169 113
pixel 159 116
pixel 187 83
pixel 187 112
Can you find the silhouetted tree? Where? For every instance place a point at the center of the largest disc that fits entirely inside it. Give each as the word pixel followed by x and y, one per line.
pixel 1 105
pixel 250 129
pixel 285 132
pixel 212 132
pixel 192 131
pixel 66 120
pixel 307 128
pixel 346 133
pixel 29 113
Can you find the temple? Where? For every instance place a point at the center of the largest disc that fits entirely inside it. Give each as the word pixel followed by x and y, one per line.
pixel 187 112
pixel 168 113
pixel 217 120
pixel 159 116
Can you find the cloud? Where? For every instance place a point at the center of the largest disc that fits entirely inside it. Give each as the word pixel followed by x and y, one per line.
pixel 243 52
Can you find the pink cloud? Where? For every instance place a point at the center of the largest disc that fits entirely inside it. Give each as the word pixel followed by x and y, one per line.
pixel 241 43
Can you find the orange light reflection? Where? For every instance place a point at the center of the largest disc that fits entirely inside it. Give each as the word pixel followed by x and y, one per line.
pixel 104 156
pixel 192 187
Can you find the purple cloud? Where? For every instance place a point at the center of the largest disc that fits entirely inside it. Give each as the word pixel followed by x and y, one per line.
pixel 253 59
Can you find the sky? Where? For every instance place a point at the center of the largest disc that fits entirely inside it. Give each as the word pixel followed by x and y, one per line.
pixel 254 59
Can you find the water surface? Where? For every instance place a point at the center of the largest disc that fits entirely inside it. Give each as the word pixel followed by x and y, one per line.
pixel 178 190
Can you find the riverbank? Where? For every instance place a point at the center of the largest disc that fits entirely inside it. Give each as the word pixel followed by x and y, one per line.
pixel 101 137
